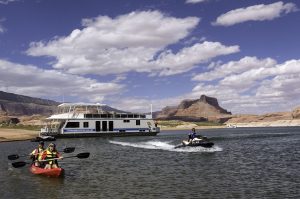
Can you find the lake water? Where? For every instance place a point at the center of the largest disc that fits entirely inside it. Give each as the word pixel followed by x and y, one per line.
pixel 244 163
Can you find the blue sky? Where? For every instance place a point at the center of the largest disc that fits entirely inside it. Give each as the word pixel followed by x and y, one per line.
pixel 130 54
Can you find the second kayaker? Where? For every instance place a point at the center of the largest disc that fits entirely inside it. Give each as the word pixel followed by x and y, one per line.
pixel 49 154
pixel 36 154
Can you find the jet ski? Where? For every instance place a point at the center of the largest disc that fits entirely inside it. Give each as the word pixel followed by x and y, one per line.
pixel 43 138
pixel 197 141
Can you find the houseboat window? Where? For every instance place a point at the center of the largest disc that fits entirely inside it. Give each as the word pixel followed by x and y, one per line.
pixel 143 116
pixel 72 125
pixel 88 115
pixel 123 116
pixel 86 124
pixel 126 121
pixel 130 116
pixel 135 116
pixel 96 115
pixel 138 122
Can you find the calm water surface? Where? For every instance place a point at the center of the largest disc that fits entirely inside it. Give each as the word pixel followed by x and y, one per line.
pixel 244 163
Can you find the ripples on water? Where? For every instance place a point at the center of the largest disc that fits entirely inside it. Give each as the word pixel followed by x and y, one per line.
pixel 244 163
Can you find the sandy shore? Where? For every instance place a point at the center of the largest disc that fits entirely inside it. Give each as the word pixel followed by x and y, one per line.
pixel 277 123
pixel 8 135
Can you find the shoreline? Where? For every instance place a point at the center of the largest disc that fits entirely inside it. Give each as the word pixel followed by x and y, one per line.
pixel 11 135
pixel 164 128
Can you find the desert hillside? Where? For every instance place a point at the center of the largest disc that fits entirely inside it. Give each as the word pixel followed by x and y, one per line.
pixel 19 105
pixel 265 120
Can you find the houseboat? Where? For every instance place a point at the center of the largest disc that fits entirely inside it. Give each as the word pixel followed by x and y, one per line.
pixel 93 120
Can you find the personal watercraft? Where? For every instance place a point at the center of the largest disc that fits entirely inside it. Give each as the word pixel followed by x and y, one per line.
pixel 199 140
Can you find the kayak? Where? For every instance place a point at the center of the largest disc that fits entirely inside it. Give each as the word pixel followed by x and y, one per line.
pixel 56 172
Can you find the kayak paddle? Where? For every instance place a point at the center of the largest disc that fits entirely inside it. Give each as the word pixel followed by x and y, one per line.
pixel 16 156
pixel 79 155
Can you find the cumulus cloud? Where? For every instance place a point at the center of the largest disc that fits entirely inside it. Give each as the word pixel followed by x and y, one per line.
pixel 188 57
pixel 2 29
pixel 194 1
pixel 5 2
pixel 33 81
pixel 235 67
pixel 136 41
pixel 259 12
pixel 253 85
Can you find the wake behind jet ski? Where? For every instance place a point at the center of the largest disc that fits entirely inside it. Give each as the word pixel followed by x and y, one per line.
pixel 196 140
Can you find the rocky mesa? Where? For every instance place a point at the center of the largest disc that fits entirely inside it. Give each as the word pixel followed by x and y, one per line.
pixel 203 109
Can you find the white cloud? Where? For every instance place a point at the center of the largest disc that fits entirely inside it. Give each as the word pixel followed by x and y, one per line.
pixel 137 42
pixel 234 67
pixel 251 85
pixel 194 1
pixel 5 2
pixel 259 12
pixel 187 58
pixel 2 29
pixel 32 81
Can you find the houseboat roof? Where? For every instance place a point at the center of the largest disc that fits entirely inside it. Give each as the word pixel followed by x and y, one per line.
pixel 80 104
pixel 91 111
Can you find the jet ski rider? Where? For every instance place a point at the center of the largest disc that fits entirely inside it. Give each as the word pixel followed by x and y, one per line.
pixel 192 135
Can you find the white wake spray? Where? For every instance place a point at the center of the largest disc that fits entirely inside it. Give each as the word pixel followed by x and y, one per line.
pixel 156 144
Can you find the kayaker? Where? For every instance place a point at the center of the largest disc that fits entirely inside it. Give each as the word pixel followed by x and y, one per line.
pixel 192 135
pixel 51 153
pixel 36 154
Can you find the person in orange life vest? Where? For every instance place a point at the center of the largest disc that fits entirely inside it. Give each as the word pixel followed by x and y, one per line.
pixel 51 153
pixel 36 154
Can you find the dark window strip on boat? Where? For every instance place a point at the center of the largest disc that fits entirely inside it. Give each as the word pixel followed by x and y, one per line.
pixel 88 115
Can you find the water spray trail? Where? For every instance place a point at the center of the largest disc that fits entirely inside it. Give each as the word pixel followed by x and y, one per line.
pixel 155 144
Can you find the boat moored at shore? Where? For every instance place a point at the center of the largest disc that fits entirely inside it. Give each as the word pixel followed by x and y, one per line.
pixel 92 120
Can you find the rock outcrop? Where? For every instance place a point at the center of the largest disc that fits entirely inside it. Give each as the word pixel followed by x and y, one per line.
pixel 296 113
pixel 203 109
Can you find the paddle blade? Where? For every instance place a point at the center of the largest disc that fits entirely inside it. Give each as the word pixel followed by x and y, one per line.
pixel 18 164
pixel 83 155
pixel 13 157
pixel 69 150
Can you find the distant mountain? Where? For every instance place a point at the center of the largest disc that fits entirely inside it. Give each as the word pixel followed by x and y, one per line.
pixel 110 109
pixel 20 105
pixel 16 105
pixel 203 109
